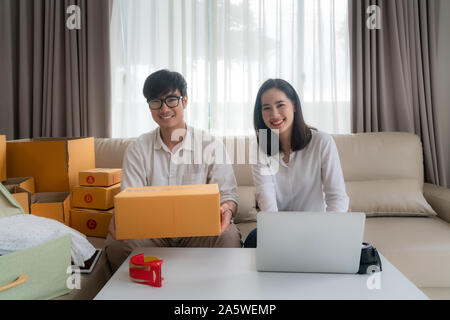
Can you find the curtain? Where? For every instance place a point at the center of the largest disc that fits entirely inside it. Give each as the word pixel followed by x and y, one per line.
pixel 226 49
pixel 55 79
pixel 393 73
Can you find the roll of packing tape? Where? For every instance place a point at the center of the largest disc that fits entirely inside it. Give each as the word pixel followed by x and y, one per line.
pixel 146 270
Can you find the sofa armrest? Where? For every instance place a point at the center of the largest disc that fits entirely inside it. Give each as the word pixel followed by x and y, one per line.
pixel 439 199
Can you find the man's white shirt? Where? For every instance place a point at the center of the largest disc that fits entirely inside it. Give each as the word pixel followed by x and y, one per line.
pixel 199 159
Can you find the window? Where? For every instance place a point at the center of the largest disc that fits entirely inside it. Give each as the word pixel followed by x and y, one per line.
pixel 226 49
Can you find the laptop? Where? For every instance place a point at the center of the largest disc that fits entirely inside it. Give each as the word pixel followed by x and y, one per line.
pixel 312 242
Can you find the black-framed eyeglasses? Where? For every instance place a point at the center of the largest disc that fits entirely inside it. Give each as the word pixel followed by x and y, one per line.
pixel 170 101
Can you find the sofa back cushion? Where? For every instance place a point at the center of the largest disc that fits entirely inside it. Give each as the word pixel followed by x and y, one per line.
pixel 109 152
pixel 383 173
pixel 367 159
pixel 385 198
pixel 364 156
pixel 238 150
pixel 380 156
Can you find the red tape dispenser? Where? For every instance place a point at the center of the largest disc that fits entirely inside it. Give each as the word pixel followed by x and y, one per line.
pixel 146 270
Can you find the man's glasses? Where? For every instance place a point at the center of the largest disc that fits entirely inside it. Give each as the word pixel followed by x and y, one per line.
pixel 170 101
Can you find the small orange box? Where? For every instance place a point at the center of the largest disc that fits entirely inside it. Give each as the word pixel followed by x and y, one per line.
pixel 168 211
pixel 90 222
pixel 53 162
pixel 100 177
pixel 22 196
pixel 100 198
pixel 2 157
pixel 26 183
pixel 52 205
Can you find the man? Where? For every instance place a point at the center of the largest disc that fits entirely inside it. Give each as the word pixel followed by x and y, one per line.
pixel 169 155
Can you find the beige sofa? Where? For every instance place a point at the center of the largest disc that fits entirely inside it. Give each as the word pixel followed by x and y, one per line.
pixel 418 246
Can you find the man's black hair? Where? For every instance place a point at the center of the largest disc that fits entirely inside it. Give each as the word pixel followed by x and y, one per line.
pixel 162 82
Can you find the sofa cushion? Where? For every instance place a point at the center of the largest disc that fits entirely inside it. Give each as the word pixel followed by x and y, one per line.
pixel 243 174
pixel 380 156
pixel 245 228
pixel 395 197
pixel 241 151
pixel 439 199
pixel 418 246
pixel 247 205
pixel 109 152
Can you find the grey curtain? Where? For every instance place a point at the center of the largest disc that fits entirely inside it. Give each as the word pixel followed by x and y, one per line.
pixel 393 76
pixel 55 81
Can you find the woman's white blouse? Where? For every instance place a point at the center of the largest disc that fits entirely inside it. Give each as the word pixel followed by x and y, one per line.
pixel 311 181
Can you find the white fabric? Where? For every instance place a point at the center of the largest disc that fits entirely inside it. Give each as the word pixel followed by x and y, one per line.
pixel 198 159
pixel 311 181
pixel 24 231
pixel 226 49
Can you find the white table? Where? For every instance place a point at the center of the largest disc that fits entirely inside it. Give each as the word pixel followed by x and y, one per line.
pixel 222 273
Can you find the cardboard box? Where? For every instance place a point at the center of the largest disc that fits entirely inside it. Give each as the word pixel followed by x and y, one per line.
pixel 52 205
pixel 168 211
pixel 2 157
pixel 100 177
pixel 100 198
pixel 90 222
pixel 22 196
pixel 26 183
pixel 53 162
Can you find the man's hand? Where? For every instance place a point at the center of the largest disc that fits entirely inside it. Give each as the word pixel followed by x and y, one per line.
pixel 226 215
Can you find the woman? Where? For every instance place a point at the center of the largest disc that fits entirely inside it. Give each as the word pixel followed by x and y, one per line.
pixel 304 172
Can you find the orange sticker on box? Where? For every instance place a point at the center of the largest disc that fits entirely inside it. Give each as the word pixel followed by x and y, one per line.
pixel 88 198
pixel 91 224
pixel 90 180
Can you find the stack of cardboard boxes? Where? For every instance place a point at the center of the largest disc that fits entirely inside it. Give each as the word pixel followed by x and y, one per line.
pixel 59 166
pixel 52 166
pixel 93 201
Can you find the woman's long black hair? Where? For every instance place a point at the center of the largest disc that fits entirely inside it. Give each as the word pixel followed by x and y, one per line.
pixel 301 132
